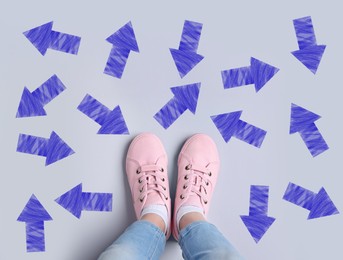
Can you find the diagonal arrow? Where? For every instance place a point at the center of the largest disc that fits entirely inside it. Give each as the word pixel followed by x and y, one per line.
pixel 258 222
pixel 111 121
pixel 43 38
pixel 54 148
pixel 75 201
pixel 186 57
pixel 230 125
pixel 34 216
pixel 309 53
pixel 32 104
pixel 123 42
pixel 258 73
pixel 302 121
pixel 319 204
pixel 185 97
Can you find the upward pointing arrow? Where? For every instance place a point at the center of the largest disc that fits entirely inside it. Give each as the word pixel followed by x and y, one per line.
pixel 34 216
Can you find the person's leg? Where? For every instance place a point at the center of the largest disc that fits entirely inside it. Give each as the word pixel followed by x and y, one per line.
pixel 198 169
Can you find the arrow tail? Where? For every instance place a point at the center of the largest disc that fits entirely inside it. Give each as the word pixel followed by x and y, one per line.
pixel 313 140
pixel 116 62
pixel 299 196
pixel 64 42
pixel 190 36
pixel 305 32
pixel 96 201
pixel 258 200
pixel 32 145
pixel 35 238
pixel 237 77
pixel 250 134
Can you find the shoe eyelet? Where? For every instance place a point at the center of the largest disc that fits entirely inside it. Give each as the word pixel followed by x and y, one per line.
pixel 184 187
pixel 166 198
pixel 188 167
pixel 205 201
pixel 163 179
pixel 137 171
pixel 141 200
pixel 140 181
pixel 141 190
pixel 186 177
pixel 162 170
pixel 164 188
pixel 210 174
pixel 207 183
pixel 182 197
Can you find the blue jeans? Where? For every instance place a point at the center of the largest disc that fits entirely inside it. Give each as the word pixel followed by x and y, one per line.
pixel 144 240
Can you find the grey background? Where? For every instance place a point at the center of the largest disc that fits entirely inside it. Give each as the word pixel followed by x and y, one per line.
pixel 233 31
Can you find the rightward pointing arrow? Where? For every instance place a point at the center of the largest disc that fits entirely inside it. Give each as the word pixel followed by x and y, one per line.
pixel 229 125
pixel 302 121
pixel 319 204
pixel 43 38
pixel 258 73
pixel 185 97
pixel 75 201
pixel 34 216
pixel 123 42
pixel 111 121
pixel 186 57
pixel 309 53
pixel 258 222
pixel 32 104
pixel 54 148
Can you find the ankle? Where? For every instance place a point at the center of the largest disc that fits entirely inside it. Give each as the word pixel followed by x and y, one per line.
pixel 155 219
pixel 189 218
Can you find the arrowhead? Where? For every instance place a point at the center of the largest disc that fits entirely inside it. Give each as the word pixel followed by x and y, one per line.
pixel 114 123
pixel 310 56
pixel 301 118
pixel 257 225
pixel 40 37
pixel 322 206
pixel 185 61
pixel 226 123
pixel 124 38
pixel 72 200
pixel 261 72
pixel 187 95
pixel 29 105
pixel 34 211
pixel 57 149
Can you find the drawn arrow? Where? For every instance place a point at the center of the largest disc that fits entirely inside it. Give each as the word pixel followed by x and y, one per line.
pixel 34 216
pixel 258 222
pixel 54 148
pixel 230 125
pixel 123 42
pixel 258 73
pixel 43 37
pixel 309 53
pixel 302 121
pixel 31 104
pixel 319 204
pixel 186 57
pixel 111 121
pixel 75 201
pixel 185 97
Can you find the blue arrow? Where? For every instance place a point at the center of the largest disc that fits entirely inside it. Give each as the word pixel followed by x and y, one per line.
pixel 302 121
pixel 319 204
pixel 54 148
pixel 32 104
pixel 230 125
pixel 309 53
pixel 34 216
pixel 258 222
pixel 185 97
pixel 111 121
pixel 258 73
pixel 123 42
pixel 186 57
pixel 43 37
pixel 75 201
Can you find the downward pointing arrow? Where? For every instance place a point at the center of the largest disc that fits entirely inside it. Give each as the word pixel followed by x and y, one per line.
pixel 257 222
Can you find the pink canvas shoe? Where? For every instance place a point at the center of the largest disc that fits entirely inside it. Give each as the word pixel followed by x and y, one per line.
pixel 198 168
pixel 146 168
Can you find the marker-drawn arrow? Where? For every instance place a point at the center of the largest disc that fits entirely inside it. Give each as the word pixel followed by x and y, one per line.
pixel 111 121
pixel 230 125
pixel 319 204
pixel 75 201
pixel 258 73
pixel 258 222
pixel 123 42
pixel 309 53
pixel 54 148
pixel 185 97
pixel 34 216
pixel 43 38
pixel 302 121
pixel 186 57
pixel 32 104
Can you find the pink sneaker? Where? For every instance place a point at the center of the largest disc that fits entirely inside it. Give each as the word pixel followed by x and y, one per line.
pixel 198 168
pixel 146 168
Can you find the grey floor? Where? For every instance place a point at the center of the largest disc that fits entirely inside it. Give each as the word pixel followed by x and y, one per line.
pixel 233 31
